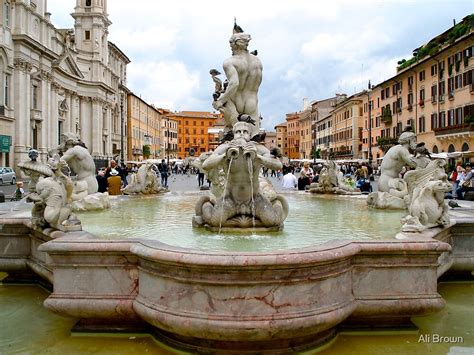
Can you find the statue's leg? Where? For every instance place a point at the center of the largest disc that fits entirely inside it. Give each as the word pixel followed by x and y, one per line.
pixel 270 214
pixel 51 214
pixel 215 215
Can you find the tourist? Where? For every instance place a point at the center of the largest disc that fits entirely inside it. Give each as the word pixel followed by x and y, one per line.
pixel 465 182
pixel 123 172
pixel 200 176
pixel 163 167
pixel 308 172
pixel 19 191
pixel 456 176
pixel 114 182
pixel 112 165
pixel 101 181
pixel 289 182
pixel 303 181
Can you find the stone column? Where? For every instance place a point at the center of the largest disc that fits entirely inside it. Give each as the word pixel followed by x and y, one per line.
pixel 22 103
pixel 86 121
pixel 96 127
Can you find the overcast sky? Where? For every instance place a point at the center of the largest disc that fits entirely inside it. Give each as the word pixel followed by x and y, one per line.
pixel 308 48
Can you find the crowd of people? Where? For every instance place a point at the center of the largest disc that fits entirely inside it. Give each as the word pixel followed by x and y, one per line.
pixel 462 179
pixel 355 175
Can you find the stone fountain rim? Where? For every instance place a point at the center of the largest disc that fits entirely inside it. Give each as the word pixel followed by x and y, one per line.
pixel 85 242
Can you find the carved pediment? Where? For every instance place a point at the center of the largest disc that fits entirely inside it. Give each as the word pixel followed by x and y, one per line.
pixel 66 63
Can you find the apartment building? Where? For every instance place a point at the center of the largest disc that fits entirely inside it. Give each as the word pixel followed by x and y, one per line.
pixel 282 138
pixel 293 135
pixel 270 140
pixel 306 143
pixel 432 94
pixel 320 109
pixel 194 137
pixel 347 120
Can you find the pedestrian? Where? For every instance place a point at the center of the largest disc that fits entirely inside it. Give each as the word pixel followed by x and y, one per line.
pixel 164 173
pixel 114 182
pixel 101 181
pixel 200 175
pixel 18 195
pixel 465 182
pixel 289 182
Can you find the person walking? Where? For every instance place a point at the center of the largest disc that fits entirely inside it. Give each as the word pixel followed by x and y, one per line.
pixel 164 173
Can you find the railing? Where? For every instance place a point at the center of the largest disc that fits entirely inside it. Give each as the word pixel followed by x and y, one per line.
pixel 410 107
pixel 459 128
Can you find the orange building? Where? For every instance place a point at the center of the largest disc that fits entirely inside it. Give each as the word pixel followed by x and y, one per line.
pixel 282 138
pixel 293 134
pixel 193 131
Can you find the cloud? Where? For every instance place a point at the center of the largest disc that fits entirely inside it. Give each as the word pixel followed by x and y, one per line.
pixel 308 48
pixel 167 84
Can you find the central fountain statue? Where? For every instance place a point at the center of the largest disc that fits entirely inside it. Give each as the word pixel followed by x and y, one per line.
pixel 240 200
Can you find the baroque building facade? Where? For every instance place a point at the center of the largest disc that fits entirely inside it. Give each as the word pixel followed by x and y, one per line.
pixel 60 80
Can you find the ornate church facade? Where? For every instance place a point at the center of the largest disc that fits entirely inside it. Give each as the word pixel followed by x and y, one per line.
pixel 60 80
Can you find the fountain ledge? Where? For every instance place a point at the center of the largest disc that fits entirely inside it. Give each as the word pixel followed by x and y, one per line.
pixel 222 300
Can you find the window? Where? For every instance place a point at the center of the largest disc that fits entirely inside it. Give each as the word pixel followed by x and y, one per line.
pixel 6 88
pixel 451 117
pixel 434 70
pixel 34 96
pixel 434 121
pixel 442 119
pixel 88 35
pixel 422 95
pixel 422 75
pixel 6 13
pixel 458 81
pixel 421 124
pixel 88 3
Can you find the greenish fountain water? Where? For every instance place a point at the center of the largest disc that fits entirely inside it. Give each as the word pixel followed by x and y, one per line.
pixel 312 220
pixel 26 327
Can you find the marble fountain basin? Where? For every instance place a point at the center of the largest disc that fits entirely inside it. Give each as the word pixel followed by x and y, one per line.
pixel 239 298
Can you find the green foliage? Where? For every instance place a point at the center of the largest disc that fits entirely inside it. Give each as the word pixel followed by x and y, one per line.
pixel 316 154
pixel 146 151
pixel 433 46
pixel 469 119
pixel 385 143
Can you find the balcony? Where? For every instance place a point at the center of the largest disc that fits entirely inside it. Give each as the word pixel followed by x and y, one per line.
pixel 410 107
pixel 451 95
pixel 433 99
pixel 455 130
pixel 386 118
pixel 441 98
pixel 421 103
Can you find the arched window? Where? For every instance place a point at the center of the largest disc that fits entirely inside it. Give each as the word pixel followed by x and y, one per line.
pixel 435 149
pixel 88 3
pixel 451 148
pixel 465 147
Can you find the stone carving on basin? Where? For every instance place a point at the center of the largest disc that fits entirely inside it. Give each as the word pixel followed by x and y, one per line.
pixel 331 181
pixel 237 201
pixel 52 199
pixel 84 196
pixel 145 181
pixel 395 192
pixel 246 202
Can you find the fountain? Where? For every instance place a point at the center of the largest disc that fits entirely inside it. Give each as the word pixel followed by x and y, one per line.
pixel 233 291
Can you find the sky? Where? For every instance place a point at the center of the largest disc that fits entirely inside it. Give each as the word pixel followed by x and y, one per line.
pixel 309 49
